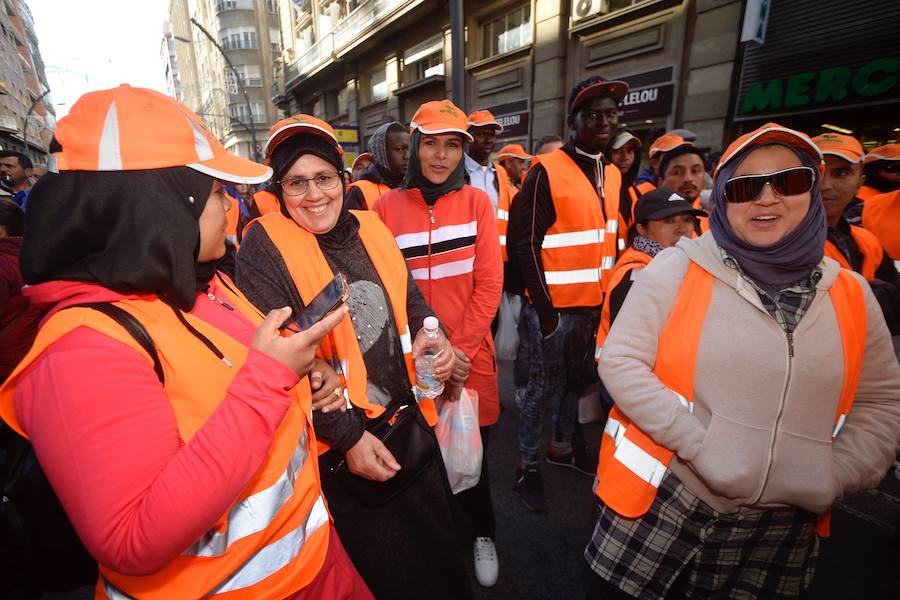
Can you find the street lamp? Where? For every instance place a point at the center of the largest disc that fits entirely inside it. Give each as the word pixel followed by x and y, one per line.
pixel 237 78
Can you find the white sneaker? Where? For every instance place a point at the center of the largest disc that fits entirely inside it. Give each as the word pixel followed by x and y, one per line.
pixel 487 567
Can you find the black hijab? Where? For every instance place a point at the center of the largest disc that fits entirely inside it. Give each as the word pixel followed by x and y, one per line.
pixel 134 232
pixel 416 180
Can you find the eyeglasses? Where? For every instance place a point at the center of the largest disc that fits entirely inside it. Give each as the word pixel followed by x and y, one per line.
pixel 299 186
pixel 789 182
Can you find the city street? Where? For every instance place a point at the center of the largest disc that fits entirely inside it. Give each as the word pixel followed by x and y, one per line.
pixel 541 554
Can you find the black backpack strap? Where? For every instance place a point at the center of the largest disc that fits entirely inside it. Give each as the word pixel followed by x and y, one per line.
pixel 134 327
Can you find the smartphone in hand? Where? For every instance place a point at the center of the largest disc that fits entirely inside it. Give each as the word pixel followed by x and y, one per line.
pixel 329 299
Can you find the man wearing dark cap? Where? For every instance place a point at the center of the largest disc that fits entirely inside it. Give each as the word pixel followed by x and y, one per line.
pixel 563 237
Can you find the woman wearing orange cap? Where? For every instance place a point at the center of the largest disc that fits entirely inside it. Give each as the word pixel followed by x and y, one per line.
pixel 394 514
pixel 170 416
pixel 755 384
pixel 447 232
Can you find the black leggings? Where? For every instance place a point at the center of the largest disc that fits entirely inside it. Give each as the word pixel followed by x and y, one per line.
pixel 476 501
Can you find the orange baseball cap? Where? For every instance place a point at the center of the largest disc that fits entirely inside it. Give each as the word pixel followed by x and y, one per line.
pixel 441 116
pixel 362 156
pixel 483 118
pixel 513 151
pixel 301 123
pixel 842 146
pixel 889 152
pixel 767 134
pixel 130 128
pixel 667 143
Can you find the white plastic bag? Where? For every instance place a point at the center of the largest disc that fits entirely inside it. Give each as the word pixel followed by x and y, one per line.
pixel 460 440
pixel 507 338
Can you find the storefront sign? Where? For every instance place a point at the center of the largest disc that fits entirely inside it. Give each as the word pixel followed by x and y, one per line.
pixel 648 102
pixel 347 134
pixel 514 117
pixel 836 84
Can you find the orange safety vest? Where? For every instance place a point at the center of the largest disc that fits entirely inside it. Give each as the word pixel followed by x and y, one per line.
pixel 266 202
pixel 579 250
pixel 865 192
pixel 632 465
pixel 371 191
pixel 272 540
pixel 703 221
pixel 505 194
pixel 868 245
pixel 645 186
pixel 629 261
pixel 881 216
pixel 311 273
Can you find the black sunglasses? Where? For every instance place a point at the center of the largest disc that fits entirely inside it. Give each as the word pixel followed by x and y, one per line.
pixel 891 167
pixel 789 182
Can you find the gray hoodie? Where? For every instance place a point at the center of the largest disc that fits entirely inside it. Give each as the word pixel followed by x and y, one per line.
pixel 760 432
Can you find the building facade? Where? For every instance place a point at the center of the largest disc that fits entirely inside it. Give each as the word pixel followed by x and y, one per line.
pixel 238 109
pixel 27 117
pixel 356 63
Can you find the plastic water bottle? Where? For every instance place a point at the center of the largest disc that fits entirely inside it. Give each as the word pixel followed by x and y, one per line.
pixel 429 341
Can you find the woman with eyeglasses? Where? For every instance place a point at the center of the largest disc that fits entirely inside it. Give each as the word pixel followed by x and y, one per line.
pixel 755 384
pixel 395 519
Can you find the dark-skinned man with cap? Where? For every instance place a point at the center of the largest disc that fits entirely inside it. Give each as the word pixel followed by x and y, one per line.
pixel 564 239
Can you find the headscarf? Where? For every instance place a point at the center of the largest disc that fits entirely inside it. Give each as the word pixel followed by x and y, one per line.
pixel 789 260
pixel 134 232
pixel 381 170
pixel 416 180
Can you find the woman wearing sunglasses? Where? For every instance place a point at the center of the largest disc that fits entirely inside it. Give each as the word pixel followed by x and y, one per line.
pixel 755 384
pixel 399 529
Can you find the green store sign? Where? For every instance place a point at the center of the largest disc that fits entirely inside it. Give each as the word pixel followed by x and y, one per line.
pixel 832 85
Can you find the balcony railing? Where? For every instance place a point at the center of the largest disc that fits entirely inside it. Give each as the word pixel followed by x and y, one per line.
pixel 225 5
pixel 314 56
pixel 366 16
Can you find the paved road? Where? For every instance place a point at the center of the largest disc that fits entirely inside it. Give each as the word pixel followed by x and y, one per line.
pixel 541 555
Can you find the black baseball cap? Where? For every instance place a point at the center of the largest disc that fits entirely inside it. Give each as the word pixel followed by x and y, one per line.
pixel 661 203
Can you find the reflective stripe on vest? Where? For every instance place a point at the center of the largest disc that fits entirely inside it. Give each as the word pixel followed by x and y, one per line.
pixel 505 194
pixel 311 272
pixel 581 246
pixel 281 496
pixel 632 465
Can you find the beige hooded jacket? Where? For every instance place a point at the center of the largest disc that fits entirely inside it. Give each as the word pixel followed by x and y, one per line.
pixel 760 432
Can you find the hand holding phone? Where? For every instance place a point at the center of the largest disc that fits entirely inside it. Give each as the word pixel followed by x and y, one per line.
pixel 333 295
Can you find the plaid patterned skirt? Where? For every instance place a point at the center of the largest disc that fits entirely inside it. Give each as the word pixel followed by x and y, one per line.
pixel 769 554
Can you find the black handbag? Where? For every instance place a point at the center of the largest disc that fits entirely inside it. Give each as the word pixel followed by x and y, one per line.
pixel 405 432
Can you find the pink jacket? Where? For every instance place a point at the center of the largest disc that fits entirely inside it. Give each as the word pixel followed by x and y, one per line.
pixel 105 434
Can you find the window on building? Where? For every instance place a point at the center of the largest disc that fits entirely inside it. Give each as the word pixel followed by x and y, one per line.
pixel 223 5
pixel 424 60
pixel 239 38
pixel 239 112
pixel 270 6
pixel 275 40
pixel 251 75
pixel 342 97
pixel 582 9
pixel 507 32
pixel 378 85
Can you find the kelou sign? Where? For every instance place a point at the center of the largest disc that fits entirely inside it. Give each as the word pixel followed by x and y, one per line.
pixel 653 101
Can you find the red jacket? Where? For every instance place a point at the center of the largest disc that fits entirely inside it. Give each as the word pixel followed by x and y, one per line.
pixel 18 319
pixel 453 252
pixel 107 438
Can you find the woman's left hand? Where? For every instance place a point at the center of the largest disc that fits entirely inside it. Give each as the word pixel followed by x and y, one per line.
pixel 327 388
pixel 444 362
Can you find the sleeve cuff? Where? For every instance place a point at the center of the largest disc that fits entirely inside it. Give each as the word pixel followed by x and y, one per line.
pixel 272 372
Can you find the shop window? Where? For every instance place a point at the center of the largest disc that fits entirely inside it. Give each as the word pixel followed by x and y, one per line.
pixel 424 60
pixel 507 32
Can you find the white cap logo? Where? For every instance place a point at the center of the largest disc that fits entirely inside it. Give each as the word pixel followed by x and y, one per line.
pixel 675 198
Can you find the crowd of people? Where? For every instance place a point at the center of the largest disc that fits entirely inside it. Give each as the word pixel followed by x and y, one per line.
pixel 737 309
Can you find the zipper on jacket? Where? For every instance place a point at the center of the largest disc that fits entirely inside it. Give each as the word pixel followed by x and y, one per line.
pixel 431 221
pixel 213 297
pixel 789 339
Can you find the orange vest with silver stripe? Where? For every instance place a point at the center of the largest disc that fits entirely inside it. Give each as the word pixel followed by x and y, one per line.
pixel 881 216
pixel 505 194
pixel 630 260
pixel 631 464
pixel 371 191
pixel 869 247
pixel 580 248
pixel 272 540
pixel 311 273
